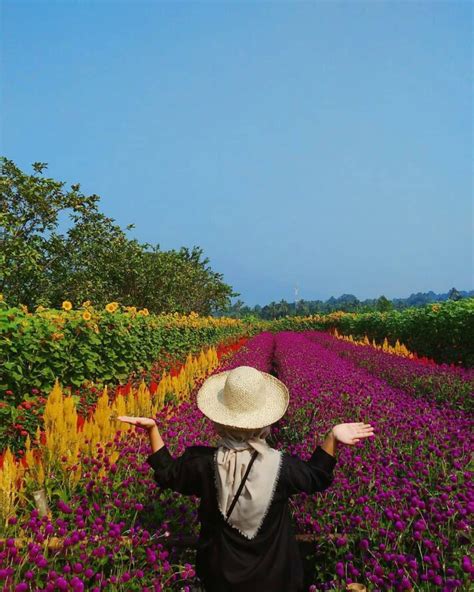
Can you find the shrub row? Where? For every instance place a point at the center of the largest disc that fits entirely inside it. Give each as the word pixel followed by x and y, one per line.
pixel 443 332
pixel 88 345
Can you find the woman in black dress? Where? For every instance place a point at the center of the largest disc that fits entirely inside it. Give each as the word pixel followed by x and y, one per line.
pixel 247 541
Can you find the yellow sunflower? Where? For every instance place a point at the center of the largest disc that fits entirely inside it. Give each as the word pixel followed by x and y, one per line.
pixel 87 315
pixel 110 307
pixel 67 305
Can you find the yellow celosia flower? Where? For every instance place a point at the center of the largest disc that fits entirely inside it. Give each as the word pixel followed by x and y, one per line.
pixel 87 316
pixel 24 308
pixel 1 297
pixel 67 305
pixel 145 311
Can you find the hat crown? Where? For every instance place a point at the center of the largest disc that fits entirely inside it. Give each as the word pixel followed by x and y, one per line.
pixel 244 389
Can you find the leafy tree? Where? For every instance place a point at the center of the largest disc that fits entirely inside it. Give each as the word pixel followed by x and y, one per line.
pixel 181 281
pixel 453 294
pixel 383 304
pixel 95 260
pixel 348 303
pixel 29 244
pixel 99 262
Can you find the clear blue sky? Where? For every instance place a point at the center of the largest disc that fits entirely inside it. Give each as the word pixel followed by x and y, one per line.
pixel 324 144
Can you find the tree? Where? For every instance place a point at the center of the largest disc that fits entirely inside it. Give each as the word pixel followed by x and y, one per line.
pixel 453 294
pixel 383 305
pixel 29 244
pixel 180 281
pixel 95 260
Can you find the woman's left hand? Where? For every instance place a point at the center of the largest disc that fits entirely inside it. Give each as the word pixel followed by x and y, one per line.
pixel 351 433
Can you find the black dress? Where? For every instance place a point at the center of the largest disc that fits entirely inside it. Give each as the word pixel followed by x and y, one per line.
pixel 226 561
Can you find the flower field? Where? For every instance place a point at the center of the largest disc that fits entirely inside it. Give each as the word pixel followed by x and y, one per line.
pixel 443 331
pixel 86 349
pixel 400 509
pixel 86 344
pixel 397 517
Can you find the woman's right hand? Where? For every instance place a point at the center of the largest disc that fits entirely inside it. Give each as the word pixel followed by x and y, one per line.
pixel 141 422
pixel 351 433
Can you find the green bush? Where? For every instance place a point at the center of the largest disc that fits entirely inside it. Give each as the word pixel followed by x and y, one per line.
pixel 441 331
pixel 38 347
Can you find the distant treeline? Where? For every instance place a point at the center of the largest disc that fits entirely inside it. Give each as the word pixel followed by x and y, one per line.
pixel 346 303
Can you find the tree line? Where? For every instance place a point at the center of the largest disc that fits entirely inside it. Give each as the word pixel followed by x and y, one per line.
pixel 95 259
pixel 346 303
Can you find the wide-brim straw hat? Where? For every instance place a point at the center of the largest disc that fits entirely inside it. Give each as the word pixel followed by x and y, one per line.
pixel 244 398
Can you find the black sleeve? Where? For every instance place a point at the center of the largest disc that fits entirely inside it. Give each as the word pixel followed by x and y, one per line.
pixel 315 474
pixel 183 474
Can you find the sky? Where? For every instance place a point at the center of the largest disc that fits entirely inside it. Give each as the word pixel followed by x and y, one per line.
pixel 320 145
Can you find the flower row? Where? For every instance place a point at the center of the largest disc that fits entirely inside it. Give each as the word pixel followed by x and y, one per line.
pixel 38 348
pixel 399 512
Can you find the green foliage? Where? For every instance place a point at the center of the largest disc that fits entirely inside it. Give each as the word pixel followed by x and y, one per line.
pixel 442 331
pixel 94 260
pixel 383 304
pixel 345 303
pixel 37 348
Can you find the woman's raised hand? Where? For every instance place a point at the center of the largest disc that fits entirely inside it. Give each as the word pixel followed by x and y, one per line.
pixel 351 433
pixel 141 422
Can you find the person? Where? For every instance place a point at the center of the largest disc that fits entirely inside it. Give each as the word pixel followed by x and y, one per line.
pixel 247 540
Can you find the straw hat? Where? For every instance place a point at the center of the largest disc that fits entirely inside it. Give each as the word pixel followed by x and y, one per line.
pixel 243 398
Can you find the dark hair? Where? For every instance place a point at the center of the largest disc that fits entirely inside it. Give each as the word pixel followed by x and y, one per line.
pixel 241 434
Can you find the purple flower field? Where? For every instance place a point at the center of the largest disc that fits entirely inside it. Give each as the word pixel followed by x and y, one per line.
pixel 398 515
pixel 441 383
pixel 401 503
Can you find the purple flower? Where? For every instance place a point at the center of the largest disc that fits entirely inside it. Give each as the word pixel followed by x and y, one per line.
pixel 467 564
pixel 340 570
pixel 61 584
pixel 63 507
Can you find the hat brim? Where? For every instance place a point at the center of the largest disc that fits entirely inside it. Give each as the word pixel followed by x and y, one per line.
pixel 210 403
